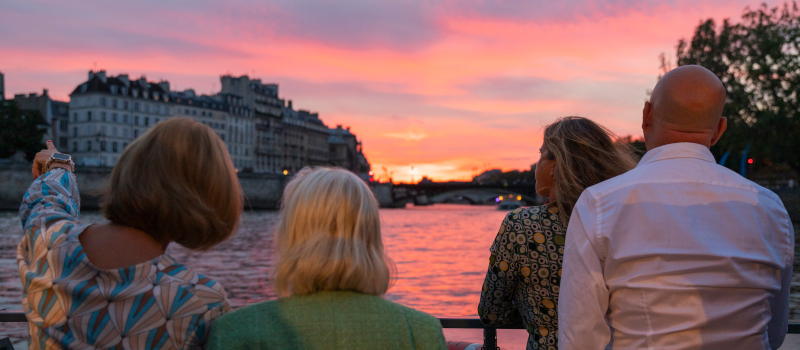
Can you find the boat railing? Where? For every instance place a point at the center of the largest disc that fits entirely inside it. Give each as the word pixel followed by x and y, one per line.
pixel 489 333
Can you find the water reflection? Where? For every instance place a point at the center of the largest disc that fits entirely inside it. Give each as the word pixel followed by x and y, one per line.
pixel 440 253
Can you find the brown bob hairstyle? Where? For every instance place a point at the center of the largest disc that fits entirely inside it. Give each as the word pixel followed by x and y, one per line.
pixel 176 183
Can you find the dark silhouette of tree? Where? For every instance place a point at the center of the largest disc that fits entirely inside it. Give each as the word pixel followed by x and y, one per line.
pixel 20 130
pixel 758 60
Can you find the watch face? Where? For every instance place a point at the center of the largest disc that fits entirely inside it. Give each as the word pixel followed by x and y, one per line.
pixel 59 156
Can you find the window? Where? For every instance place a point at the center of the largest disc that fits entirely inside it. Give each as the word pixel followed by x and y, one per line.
pixel 74 131
pixel 114 101
pixel 136 106
pixel 114 131
pixel 89 116
pixel 156 122
pixel 75 117
pixel 75 146
pixel 114 146
pixel 62 125
pixel 103 130
pixel 124 145
pixel 102 146
pixel 136 120
pixel 62 142
pixel 103 116
pixel 124 132
pixel 125 118
pixel 114 117
pixel 124 103
pixel 135 133
pixel 103 101
pixel 89 146
pixel 146 121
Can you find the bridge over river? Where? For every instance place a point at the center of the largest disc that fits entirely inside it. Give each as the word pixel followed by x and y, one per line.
pixel 397 195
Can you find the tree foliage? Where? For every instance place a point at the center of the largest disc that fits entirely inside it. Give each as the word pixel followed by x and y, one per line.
pixel 758 60
pixel 20 130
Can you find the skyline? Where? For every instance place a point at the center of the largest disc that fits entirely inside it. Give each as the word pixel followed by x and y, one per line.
pixel 450 89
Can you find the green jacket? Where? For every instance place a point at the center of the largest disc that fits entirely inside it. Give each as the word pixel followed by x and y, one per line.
pixel 327 320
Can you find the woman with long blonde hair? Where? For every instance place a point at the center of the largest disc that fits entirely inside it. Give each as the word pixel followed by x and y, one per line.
pixel 330 273
pixel 527 254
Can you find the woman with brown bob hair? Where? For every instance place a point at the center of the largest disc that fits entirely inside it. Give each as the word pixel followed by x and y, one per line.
pixel 527 254
pixel 112 285
pixel 330 273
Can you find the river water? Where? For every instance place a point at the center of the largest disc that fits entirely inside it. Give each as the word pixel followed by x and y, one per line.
pixel 440 252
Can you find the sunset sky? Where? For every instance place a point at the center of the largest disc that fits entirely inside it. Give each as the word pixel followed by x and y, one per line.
pixel 451 88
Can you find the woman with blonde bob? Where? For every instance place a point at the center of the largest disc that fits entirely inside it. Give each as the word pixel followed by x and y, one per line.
pixel 525 263
pixel 112 285
pixel 330 272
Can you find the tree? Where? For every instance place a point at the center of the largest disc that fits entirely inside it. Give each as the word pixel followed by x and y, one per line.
pixel 758 61
pixel 20 130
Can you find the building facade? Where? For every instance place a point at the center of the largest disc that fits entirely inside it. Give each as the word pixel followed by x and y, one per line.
pixel 107 113
pixel 262 133
pixel 2 86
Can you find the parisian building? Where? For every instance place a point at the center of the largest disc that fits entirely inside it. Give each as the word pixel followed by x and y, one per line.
pixel 2 87
pixel 107 113
pixel 263 133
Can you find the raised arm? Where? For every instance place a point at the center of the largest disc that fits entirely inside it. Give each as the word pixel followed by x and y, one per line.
pixel 583 299
pixel 496 307
pixel 53 194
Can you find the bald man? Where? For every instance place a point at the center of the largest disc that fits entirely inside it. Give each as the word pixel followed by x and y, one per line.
pixel 678 253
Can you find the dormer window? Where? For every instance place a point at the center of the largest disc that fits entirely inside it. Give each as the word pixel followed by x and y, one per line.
pixel 113 89
pixel 124 91
pixel 134 93
pixel 155 96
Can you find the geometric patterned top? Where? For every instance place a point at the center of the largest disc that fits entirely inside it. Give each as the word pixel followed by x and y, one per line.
pixel 69 303
pixel 525 273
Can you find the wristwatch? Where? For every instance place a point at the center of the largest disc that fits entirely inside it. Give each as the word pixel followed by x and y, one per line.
pixel 58 158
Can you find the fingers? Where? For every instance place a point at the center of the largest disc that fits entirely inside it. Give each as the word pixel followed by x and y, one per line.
pixel 51 146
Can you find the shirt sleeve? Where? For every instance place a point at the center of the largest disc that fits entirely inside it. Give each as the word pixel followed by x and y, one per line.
pixel 779 308
pixel 496 304
pixel 53 196
pixel 583 298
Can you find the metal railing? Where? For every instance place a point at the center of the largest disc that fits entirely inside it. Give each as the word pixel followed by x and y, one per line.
pixel 489 333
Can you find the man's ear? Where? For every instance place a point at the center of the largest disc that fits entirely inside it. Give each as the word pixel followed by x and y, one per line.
pixel 721 127
pixel 647 116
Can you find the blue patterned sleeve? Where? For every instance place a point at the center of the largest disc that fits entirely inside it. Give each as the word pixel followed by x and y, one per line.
pixel 54 195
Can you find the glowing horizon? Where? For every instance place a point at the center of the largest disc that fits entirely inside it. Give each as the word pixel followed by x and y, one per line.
pixel 449 88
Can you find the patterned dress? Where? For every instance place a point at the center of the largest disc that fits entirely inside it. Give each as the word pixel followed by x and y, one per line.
pixel 524 274
pixel 69 303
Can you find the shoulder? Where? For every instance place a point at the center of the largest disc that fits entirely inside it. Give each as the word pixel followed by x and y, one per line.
pixel 186 279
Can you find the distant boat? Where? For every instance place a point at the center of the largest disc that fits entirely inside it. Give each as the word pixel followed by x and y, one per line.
pixel 509 205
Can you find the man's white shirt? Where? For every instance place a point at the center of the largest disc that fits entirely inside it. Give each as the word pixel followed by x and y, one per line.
pixel 678 253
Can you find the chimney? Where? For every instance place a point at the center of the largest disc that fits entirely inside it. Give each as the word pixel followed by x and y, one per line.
pixel 348 129
pixel 124 79
pixel 91 74
pixel 44 92
pixel 339 126
pixel 164 85
pixel 102 75
pixel 290 104
pixel 32 95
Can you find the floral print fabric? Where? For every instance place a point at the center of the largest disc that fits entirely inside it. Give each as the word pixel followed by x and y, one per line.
pixel 70 304
pixel 524 274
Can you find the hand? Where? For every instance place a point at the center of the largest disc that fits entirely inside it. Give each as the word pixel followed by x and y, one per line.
pixel 41 158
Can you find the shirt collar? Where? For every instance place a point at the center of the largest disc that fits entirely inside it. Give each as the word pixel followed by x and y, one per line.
pixel 678 150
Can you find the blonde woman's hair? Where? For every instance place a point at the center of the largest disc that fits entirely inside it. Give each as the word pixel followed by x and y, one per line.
pixel 329 236
pixel 176 183
pixel 585 154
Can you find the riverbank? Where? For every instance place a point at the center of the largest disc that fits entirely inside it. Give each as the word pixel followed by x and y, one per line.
pixel 261 191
